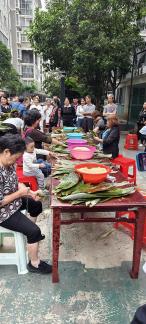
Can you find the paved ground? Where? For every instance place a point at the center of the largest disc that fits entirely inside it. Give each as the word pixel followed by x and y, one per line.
pixel 94 283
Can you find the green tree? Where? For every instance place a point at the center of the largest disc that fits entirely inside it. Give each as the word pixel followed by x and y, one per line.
pixel 5 64
pixel 9 78
pixel 29 88
pixel 92 40
pixel 13 83
pixel 51 85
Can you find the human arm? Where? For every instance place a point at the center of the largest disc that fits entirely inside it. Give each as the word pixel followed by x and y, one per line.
pixel 113 136
pixel 45 152
pixel 56 142
pixel 89 110
pixel 21 192
pixel 39 136
pixel 79 111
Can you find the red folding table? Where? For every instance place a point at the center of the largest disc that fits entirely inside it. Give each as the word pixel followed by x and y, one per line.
pixel 134 202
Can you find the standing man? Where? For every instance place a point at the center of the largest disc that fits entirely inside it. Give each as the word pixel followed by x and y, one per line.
pixel 110 108
pixel 75 103
pixel 88 118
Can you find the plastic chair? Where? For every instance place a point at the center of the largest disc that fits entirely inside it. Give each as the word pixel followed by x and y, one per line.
pixel 32 181
pixel 125 164
pixel 131 142
pixel 19 257
pixel 130 227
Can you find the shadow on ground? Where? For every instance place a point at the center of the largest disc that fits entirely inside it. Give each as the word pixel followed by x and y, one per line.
pixel 87 296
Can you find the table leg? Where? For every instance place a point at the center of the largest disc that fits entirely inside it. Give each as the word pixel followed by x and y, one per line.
pixel 138 241
pixel 56 241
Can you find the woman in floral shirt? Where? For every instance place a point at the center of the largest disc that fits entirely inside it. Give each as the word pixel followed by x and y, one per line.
pixel 14 198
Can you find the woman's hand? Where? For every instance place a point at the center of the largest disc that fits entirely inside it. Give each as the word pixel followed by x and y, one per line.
pixel 52 155
pixel 23 190
pixel 96 138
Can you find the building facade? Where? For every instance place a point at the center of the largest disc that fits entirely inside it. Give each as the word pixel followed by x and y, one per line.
pixel 15 18
pixel 30 62
pixel 132 96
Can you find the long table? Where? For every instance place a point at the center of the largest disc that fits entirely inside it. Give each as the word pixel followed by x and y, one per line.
pixel 135 202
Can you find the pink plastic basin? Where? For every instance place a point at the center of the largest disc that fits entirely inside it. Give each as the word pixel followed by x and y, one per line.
pixel 72 146
pixel 79 142
pixel 81 155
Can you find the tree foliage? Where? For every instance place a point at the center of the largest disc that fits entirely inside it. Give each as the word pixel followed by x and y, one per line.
pixel 9 78
pixel 92 40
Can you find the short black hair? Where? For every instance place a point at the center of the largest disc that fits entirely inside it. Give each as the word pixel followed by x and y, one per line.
pixel 32 116
pixel 14 143
pixel 21 99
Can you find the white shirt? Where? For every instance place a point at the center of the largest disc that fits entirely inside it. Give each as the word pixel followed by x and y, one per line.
pixel 41 110
pixel 29 159
pixel 47 113
pixel 80 111
pixel 17 122
pixel 89 109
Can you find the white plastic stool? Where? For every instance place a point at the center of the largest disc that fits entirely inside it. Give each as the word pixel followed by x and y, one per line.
pixel 20 256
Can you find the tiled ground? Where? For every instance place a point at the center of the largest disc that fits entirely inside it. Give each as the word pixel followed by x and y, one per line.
pixel 94 287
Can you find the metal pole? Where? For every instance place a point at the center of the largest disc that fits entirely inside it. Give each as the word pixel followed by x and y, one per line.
pixel 131 89
pixel 62 94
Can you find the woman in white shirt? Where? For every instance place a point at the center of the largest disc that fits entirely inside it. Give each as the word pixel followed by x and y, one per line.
pixel 79 113
pixel 47 110
pixel 36 105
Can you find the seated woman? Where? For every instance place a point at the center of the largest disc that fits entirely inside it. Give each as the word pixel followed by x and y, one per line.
pixel 31 122
pixel 98 121
pixel 110 138
pixel 14 198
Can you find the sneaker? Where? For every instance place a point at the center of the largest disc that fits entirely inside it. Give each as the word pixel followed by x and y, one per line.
pixel 43 268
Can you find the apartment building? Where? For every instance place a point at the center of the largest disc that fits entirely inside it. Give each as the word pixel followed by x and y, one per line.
pixel 15 18
pixel 137 91
pixel 30 64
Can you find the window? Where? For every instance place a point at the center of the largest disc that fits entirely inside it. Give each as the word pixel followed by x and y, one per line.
pixel 25 22
pixel 24 38
pixel 26 7
pixel 18 37
pixel 19 54
pixel 17 4
pixel 27 71
pixel 17 20
pixel 27 56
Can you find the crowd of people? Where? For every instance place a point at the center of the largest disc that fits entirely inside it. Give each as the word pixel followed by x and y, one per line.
pixel 28 133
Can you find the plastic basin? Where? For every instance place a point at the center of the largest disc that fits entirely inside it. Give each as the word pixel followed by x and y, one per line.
pixel 72 146
pixel 74 135
pixel 92 178
pixel 69 129
pixel 78 142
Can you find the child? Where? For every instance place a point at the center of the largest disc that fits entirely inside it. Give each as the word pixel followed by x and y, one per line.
pixel 34 167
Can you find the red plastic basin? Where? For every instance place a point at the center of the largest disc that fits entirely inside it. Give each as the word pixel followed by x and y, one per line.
pixel 92 178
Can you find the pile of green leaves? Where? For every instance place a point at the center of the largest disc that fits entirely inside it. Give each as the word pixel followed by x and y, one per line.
pixel 71 189
pixel 60 149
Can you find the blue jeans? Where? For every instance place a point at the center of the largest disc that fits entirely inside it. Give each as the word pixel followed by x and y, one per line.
pixel 47 169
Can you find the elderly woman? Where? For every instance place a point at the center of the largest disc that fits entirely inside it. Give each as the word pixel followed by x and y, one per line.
pixel 15 197
pixel 110 138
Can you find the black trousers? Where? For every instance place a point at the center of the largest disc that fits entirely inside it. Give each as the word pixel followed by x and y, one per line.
pixel 20 223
